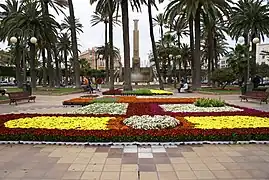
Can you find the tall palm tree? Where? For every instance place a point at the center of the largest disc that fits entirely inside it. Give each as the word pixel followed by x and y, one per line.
pixel 11 7
pixel 159 20
pixel 74 43
pixel 154 50
pixel 64 45
pixel 103 17
pixel 250 18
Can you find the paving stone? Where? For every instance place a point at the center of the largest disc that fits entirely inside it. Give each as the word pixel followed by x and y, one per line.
pixel 145 155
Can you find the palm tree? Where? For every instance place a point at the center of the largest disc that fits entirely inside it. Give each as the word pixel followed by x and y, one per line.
pixel 64 45
pixel 73 29
pixel 159 20
pixel 101 51
pixel 103 17
pixel 193 10
pixel 154 51
pixel 66 25
pixel 250 18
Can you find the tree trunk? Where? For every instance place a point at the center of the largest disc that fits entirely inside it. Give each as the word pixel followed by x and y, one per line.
pixel 74 44
pixel 106 54
pixel 18 66
pixel 111 54
pixel 179 59
pixel 192 48
pixel 66 68
pixel 197 61
pixel 32 65
pixel 44 69
pixel 161 26
pixel 210 55
pixel 57 73
pixel 50 67
pixel 215 66
pixel 154 51
pixel 126 45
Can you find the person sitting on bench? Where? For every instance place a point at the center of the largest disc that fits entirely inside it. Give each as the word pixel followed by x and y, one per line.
pixel 184 87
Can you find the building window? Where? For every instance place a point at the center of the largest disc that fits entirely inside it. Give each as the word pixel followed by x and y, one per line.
pixel 263 56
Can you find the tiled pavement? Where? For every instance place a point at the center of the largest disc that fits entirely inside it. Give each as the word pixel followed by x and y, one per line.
pixel 29 162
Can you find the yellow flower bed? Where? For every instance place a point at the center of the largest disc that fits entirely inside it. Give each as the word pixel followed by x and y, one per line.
pixel 156 91
pixel 221 122
pixel 78 123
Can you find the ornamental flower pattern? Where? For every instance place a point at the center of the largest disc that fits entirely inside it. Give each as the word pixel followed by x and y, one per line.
pixel 193 108
pixel 103 108
pixel 147 122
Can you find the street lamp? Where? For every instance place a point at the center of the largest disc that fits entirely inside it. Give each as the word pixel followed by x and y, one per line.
pixel 101 59
pixel 23 38
pixel 255 40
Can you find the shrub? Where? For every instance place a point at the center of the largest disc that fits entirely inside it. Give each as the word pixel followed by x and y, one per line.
pixel 206 102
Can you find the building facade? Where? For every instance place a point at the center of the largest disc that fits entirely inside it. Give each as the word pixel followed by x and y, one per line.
pixel 93 59
pixel 261 55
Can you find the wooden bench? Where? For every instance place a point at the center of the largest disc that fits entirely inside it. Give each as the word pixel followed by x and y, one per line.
pixel 19 96
pixel 259 95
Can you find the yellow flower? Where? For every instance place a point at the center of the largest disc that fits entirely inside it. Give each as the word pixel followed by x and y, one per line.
pixel 46 122
pixel 155 91
pixel 220 122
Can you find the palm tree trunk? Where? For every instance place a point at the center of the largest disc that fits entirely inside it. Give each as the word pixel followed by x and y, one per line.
pixel 210 55
pixel 57 73
pixel 126 45
pixel 66 68
pixel 74 44
pixel 155 56
pixel 197 62
pixel 32 65
pixel 215 61
pixel 161 26
pixel 179 60
pixel 106 54
pixel 18 66
pixel 192 48
pixel 44 69
pixel 111 54
pixel 50 67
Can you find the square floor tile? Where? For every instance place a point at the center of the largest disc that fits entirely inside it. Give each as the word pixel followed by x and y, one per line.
pixel 129 167
pixel 215 166
pixel 185 175
pixel 102 149
pixel 164 167
pixel 240 174
pixel 72 175
pixel 113 161
pixel 167 175
pixel 94 167
pixel 158 149
pixel 160 155
pixel 129 161
pixel 145 155
pixel 178 160
pixel 77 167
pixel 128 175
pixel 111 168
pixel 91 175
pixel 110 175
pixel 223 174
pixel 144 150
pixel 162 160
pixel 181 167
pixel 130 149
pixel 148 175
pixel 204 175
pixel 145 161
pixel 146 167
pixel 255 173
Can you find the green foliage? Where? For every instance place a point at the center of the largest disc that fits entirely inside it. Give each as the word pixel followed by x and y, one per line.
pixel 223 76
pixel 207 102
pixel 7 71
pixel 263 70
pixel 105 100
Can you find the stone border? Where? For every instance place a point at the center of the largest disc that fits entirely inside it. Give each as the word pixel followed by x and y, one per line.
pixel 168 144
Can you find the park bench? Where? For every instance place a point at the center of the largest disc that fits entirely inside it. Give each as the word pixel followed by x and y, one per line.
pixel 19 96
pixel 258 95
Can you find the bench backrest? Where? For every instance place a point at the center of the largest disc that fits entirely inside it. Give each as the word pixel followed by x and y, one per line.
pixel 257 94
pixel 18 94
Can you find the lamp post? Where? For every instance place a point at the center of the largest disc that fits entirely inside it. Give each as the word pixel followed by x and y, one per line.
pixel 241 40
pixel 24 40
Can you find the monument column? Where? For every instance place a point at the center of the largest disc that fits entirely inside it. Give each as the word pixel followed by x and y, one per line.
pixel 136 58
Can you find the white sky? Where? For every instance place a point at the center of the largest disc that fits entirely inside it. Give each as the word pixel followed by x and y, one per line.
pixel 94 36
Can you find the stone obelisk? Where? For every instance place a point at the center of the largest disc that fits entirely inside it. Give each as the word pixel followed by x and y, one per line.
pixel 136 58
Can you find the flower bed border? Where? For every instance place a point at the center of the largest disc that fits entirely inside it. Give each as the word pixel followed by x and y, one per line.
pixel 130 135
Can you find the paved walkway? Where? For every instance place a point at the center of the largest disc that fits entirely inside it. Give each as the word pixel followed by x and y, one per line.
pixel 28 162
pixel 134 163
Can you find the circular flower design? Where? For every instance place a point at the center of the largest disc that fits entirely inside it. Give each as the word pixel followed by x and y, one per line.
pixel 147 122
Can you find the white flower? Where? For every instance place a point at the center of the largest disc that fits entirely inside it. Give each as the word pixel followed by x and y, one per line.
pixel 193 108
pixel 103 108
pixel 147 122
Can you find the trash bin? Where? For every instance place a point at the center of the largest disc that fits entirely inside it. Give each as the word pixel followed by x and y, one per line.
pixel 27 88
pixel 243 89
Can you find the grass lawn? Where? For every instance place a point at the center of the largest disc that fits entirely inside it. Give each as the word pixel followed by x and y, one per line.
pixel 228 90
pixel 48 91
pixel 3 98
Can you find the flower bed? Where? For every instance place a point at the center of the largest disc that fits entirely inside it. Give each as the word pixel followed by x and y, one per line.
pixel 139 119
pixel 78 101
pixel 140 92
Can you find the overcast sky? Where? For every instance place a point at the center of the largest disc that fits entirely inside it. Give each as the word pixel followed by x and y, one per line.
pixel 94 36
